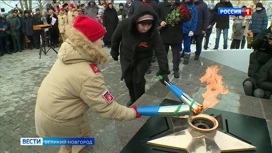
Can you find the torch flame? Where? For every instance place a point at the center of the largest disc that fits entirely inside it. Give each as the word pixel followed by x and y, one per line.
pixel 214 87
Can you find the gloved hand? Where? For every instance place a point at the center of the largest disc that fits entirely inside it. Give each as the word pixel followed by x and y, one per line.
pixel 191 33
pixel 137 114
pixel 115 58
pixel 163 78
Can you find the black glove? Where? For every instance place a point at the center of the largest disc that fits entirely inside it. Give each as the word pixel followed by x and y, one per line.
pixel 115 58
pixel 163 78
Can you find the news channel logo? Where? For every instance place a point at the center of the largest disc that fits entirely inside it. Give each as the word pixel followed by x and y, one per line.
pixel 226 11
pixel 56 141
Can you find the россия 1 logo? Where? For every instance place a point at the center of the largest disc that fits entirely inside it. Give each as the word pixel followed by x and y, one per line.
pixel 226 11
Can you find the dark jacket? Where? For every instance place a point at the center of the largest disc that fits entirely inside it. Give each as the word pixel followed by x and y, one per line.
pixel 222 21
pixel 203 17
pixel 110 21
pixel 169 34
pixel 136 47
pixel 259 21
pixel 28 26
pixel 3 24
pixel 135 5
pixel 37 19
pixel 211 17
pixel 258 42
pixel 14 26
pixel 264 77
pixel 262 53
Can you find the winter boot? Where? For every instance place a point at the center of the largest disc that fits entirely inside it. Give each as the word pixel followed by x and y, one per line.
pixel 196 57
pixel 181 54
pixel 186 59
pixel 176 74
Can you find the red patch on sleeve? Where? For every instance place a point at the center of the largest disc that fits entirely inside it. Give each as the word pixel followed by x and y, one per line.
pixel 108 97
pixel 95 68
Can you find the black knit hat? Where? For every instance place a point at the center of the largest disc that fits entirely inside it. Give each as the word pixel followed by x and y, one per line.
pixel 259 5
pixel 64 5
pixel 26 11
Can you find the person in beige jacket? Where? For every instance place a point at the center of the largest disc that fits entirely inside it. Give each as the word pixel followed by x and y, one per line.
pixel 75 84
pixel 63 22
pixel 70 15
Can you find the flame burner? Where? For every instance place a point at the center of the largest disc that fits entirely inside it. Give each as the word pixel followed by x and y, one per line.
pixel 201 136
pixel 203 129
pixel 203 124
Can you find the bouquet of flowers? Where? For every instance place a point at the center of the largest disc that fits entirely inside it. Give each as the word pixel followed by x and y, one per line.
pixel 181 13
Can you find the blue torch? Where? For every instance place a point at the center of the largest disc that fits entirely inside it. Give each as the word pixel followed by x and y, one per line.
pixel 173 110
pixel 195 107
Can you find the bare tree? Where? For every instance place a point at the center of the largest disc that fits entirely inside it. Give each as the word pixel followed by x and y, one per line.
pixel 5 2
pixel 22 5
pixel 26 4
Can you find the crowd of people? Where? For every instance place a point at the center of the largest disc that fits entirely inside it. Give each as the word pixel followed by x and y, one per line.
pixel 17 32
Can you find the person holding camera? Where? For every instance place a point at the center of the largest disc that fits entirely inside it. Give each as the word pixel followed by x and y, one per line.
pixel 260 65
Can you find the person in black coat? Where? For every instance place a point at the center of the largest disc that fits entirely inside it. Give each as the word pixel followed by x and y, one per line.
pixel 28 28
pixel 110 22
pixel 202 24
pixel 222 24
pixel 52 19
pixel 4 44
pixel 211 17
pixel 256 85
pixel 137 37
pixel 264 79
pixel 171 35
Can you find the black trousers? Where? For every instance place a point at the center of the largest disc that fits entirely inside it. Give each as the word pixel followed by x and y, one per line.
pixel 199 40
pixel 134 79
pixel 207 39
pixel 176 48
pixel 235 44
pixel 38 34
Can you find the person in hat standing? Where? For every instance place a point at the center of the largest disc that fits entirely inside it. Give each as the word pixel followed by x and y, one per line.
pixel 137 37
pixel 110 22
pixel 211 17
pixel 54 30
pixel 259 20
pixel 63 22
pixel 14 28
pixel 28 29
pixel 91 9
pixel 71 15
pixel 75 84
pixel 37 20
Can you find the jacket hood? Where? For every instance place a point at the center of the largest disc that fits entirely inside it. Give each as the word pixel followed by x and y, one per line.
pixel 143 10
pixel 77 48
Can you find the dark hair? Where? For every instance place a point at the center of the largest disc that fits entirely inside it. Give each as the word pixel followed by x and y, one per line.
pixel 64 5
